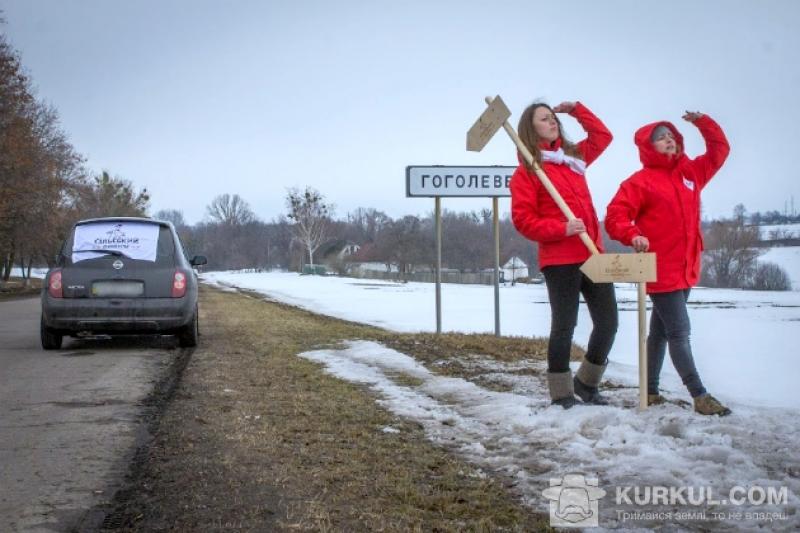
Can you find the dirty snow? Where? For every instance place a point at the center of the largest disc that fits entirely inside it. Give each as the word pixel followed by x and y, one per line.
pixel 520 435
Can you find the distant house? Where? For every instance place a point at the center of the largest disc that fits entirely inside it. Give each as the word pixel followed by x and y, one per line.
pixel 338 250
pixel 514 269
pixel 350 248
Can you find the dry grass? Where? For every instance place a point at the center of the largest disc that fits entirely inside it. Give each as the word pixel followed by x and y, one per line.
pixel 260 439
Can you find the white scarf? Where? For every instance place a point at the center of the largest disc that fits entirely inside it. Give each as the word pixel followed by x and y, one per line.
pixel 560 158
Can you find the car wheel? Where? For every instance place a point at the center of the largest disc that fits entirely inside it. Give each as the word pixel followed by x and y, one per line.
pixel 51 338
pixel 189 335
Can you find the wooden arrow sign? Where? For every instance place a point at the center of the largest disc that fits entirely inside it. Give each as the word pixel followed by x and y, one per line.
pixel 487 125
pixel 610 268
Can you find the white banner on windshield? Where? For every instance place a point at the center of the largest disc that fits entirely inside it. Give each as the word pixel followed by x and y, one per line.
pixel 135 240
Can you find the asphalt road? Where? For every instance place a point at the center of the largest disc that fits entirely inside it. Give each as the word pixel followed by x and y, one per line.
pixel 70 420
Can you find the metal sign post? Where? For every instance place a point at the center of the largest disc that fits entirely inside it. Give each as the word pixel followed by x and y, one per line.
pixel 600 268
pixel 438 214
pixel 450 181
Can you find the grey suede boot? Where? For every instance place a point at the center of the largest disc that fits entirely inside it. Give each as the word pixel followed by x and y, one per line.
pixel 561 389
pixel 587 379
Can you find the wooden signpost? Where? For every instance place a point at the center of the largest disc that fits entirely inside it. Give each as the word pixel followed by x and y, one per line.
pixel 600 268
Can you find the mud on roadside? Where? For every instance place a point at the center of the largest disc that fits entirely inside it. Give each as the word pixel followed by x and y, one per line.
pixel 257 439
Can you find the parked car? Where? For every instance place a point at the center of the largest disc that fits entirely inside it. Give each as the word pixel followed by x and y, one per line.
pixel 120 276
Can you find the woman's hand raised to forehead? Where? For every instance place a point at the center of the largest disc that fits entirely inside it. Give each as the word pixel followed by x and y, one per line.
pixel 564 107
pixel 691 116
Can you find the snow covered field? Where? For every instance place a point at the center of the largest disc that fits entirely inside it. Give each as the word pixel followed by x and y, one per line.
pixel 745 343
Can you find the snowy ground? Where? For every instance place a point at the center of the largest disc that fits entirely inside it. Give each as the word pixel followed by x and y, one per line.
pixel 519 434
pixel 745 344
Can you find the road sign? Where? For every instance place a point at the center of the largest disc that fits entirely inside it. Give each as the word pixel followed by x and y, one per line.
pixel 487 124
pixel 610 268
pixel 436 181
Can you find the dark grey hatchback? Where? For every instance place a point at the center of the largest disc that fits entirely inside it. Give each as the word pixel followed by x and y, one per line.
pixel 120 276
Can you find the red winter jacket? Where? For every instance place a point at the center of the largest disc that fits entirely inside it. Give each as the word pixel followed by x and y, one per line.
pixel 662 202
pixel 536 215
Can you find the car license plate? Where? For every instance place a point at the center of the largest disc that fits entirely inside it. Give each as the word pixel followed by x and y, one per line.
pixel 117 288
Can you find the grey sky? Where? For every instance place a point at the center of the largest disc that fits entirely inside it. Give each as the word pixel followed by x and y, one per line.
pixel 197 98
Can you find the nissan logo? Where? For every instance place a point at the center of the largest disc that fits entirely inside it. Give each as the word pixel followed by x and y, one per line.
pixel 118 264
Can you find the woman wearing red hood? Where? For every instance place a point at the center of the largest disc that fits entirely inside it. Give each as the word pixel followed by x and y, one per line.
pixel 561 252
pixel 657 209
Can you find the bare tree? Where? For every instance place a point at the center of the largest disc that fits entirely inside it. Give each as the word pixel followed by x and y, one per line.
pixel 731 253
pixel 311 217
pixel 40 173
pixel 113 196
pixel 406 242
pixel 171 215
pixel 230 210
pixel 770 277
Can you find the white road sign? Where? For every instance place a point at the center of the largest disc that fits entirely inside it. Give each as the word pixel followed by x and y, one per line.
pixel 432 181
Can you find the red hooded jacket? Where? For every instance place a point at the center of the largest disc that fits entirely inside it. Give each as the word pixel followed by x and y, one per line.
pixel 536 215
pixel 662 202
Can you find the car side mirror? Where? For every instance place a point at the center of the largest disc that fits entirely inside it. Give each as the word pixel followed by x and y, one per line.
pixel 199 260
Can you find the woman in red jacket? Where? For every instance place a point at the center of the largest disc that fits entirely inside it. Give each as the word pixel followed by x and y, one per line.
pixel 658 209
pixel 561 252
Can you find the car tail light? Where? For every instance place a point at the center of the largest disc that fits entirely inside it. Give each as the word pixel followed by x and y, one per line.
pixel 178 284
pixel 54 287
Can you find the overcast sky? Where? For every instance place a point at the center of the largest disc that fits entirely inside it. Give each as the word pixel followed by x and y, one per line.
pixel 195 98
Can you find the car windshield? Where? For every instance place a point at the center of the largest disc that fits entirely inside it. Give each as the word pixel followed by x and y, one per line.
pixel 103 241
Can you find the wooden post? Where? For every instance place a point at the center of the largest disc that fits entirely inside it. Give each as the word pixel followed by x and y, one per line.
pixel 642 345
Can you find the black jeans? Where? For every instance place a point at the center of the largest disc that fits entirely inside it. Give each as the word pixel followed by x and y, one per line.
pixel 669 325
pixel 565 284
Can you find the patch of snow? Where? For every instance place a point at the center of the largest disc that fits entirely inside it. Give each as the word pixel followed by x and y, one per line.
pixel 520 434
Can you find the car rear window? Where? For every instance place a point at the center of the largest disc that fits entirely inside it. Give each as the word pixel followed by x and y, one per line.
pixel 140 241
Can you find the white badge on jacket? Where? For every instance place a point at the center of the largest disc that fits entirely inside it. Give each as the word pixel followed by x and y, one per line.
pixel 689 184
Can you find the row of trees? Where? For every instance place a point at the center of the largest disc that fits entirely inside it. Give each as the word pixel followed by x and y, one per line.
pixel 233 237
pixel 44 185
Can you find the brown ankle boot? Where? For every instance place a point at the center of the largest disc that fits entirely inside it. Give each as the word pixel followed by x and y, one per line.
pixel 655 399
pixel 705 404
